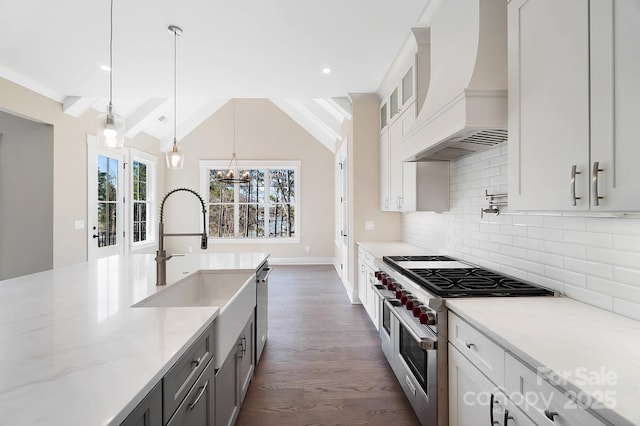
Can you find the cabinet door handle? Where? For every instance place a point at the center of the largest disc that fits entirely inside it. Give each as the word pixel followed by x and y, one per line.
pixel 492 402
pixel 202 391
pixel 594 183
pixel 507 417
pixel 551 415
pixel 468 344
pixel 574 172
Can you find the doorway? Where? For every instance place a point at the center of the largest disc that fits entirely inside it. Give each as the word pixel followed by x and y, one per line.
pixel 105 198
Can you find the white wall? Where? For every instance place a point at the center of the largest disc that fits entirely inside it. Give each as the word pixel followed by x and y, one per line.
pixel 69 165
pixel 26 196
pixel 262 132
pixel 592 259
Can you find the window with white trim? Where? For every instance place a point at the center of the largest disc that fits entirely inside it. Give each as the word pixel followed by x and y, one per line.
pixel 266 208
pixel 143 196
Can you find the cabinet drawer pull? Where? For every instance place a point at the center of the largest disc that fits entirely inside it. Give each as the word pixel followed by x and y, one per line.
pixel 468 344
pixel 202 391
pixel 551 415
pixel 196 362
pixel 574 172
pixel 594 183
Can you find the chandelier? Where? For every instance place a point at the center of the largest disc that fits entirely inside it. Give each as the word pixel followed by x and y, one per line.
pixel 233 174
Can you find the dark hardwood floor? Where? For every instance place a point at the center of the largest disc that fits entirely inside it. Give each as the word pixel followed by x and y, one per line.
pixel 322 364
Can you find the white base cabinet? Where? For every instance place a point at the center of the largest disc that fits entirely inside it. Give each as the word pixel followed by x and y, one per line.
pixel 366 278
pixel 489 386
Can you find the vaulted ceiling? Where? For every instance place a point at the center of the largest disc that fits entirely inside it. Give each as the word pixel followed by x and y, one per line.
pixel 272 49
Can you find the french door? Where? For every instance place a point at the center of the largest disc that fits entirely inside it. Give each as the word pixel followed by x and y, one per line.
pixel 105 185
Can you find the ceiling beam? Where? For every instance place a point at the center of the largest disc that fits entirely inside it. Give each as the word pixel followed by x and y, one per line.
pixel 75 106
pixel 309 121
pixel 194 120
pixel 139 119
pixel 342 104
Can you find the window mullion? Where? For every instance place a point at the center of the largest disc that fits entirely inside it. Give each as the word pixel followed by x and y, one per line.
pixel 236 210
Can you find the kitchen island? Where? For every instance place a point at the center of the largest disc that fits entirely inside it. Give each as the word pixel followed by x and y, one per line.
pixel 75 351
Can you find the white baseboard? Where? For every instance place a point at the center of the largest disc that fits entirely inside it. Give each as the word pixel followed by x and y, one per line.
pixel 301 261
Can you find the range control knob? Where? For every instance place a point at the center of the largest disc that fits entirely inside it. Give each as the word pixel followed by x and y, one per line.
pixel 404 299
pixel 391 285
pixel 428 318
pixel 379 275
pixel 417 310
pixel 398 294
pixel 410 303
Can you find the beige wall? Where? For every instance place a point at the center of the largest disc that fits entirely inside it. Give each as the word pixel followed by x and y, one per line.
pixel 262 132
pixel 363 136
pixel 70 165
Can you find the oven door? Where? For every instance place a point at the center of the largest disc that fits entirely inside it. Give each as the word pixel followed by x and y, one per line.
pixel 416 366
pixel 388 331
pixel 387 324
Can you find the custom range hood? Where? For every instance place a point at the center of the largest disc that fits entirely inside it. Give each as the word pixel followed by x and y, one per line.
pixel 465 109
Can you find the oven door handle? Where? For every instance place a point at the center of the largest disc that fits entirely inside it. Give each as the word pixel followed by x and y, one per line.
pixel 426 341
pixel 264 276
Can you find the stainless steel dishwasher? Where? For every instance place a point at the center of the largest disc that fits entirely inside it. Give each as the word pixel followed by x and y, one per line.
pixel 262 307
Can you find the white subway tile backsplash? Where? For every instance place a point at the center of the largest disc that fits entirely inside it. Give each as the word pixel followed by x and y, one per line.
pixel 544 258
pixel 513 251
pixel 626 308
pixel 564 249
pixel 614 257
pixel 628 276
pixel 597 239
pixel 529 221
pixel 546 282
pixel 595 269
pixel 566 276
pixel 591 297
pixel 544 234
pixel 592 259
pixel 626 242
pixel 525 265
pixel 621 226
pixel 562 222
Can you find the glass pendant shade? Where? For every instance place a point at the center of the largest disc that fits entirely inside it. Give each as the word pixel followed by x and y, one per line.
pixel 110 129
pixel 175 157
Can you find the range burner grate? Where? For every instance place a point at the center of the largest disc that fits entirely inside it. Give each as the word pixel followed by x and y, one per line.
pixel 419 259
pixel 472 282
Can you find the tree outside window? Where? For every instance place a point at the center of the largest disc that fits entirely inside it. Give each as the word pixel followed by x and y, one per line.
pixel 262 208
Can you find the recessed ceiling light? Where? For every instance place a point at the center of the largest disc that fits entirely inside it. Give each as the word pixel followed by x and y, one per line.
pixel 326 70
pixel 105 68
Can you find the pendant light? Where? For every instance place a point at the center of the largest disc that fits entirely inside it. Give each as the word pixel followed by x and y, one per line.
pixel 175 157
pixel 233 173
pixel 110 127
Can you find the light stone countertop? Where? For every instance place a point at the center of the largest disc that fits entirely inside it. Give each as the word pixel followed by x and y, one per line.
pixel 74 352
pixel 595 352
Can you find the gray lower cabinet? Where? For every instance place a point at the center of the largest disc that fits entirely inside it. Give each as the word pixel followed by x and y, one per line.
pixel 234 377
pixel 227 396
pixel 247 357
pixel 186 394
pixel 197 408
pixel 148 412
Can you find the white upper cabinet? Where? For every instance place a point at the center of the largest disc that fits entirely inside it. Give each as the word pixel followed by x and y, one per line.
pixel 573 93
pixel 615 104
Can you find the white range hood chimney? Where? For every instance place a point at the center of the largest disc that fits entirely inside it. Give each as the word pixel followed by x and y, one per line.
pixel 465 109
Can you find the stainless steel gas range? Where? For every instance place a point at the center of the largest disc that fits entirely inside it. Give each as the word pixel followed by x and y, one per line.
pixel 413 320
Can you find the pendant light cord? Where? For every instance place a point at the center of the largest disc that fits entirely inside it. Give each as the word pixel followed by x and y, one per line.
pixel 111 56
pixel 175 83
